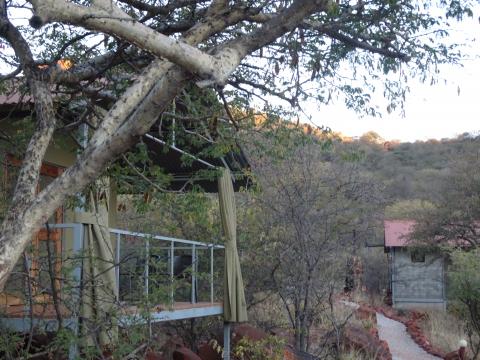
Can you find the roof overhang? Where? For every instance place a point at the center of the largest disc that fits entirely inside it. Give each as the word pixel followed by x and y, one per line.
pixel 397 232
pixel 171 159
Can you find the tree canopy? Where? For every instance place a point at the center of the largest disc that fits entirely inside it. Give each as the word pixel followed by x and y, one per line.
pixel 125 62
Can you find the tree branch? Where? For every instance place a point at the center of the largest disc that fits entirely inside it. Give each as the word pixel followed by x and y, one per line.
pixel 160 10
pixel 332 31
pixel 30 171
pixel 129 118
pixel 236 83
pixel 118 23
pixel 366 46
pixel 215 69
pixel 46 121
pixel 14 73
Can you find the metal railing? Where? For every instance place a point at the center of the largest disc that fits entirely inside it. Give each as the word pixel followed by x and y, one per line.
pixel 149 244
pixel 153 246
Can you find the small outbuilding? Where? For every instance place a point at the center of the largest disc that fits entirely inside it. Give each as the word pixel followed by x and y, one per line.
pixel 417 276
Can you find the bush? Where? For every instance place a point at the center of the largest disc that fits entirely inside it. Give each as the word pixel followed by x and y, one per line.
pixel 464 277
pixel 269 348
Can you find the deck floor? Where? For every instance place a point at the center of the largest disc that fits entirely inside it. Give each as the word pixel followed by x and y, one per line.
pixel 47 311
pixel 44 316
pixel 180 310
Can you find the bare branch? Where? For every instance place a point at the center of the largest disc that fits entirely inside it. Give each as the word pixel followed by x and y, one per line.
pixel 118 23
pixel 332 31
pixel 215 69
pixel 160 10
pixel 14 73
pixel 227 108
pixel 46 121
pixel 366 46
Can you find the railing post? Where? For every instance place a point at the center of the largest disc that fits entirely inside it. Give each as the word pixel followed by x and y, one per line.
pixel 194 274
pixel 28 269
pixel 211 274
pixel 117 264
pixel 226 341
pixel 78 234
pixel 172 263
pixel 147 261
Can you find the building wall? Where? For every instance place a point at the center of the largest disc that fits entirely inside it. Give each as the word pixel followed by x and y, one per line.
pixel 62 152
pixel 417 284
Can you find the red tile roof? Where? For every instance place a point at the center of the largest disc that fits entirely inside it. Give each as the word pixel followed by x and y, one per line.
pixel 397 232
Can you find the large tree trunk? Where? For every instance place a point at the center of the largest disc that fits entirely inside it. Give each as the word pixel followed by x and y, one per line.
pixel 24 219
pixel 137 109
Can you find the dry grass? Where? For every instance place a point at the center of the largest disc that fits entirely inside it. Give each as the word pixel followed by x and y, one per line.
pixel 354 355
pixel 368 298
pixel 443 329
pixel 269 313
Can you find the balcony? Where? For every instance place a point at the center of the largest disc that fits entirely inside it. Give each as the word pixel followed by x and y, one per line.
pixel 153 278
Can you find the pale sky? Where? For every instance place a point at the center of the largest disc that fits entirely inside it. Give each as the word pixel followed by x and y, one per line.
pixel 437 111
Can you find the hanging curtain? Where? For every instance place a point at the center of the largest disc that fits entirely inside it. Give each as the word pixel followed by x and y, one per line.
pixel 234 305
pixel 99 288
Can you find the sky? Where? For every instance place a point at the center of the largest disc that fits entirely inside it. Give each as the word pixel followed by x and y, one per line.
pixel 444 110
pixel 431 112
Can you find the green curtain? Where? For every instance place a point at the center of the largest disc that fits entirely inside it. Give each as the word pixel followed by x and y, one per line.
pixel 100 291
pixel 234 305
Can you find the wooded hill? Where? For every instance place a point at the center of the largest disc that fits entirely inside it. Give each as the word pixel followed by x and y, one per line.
pixel 414 171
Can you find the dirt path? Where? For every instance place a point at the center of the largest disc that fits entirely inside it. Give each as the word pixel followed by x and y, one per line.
pixel 400 343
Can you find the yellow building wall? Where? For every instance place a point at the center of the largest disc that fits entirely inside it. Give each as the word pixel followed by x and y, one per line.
pixel 62 152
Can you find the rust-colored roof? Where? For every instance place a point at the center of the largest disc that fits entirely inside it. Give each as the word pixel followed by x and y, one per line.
pixel 14 99
pixel 397 232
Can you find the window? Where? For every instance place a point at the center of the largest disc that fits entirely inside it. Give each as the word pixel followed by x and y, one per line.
pixel 417 256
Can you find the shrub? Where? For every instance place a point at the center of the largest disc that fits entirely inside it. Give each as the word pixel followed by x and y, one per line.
pixel 464 277
pixel 271 347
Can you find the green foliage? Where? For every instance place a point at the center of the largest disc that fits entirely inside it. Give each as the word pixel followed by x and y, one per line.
pixel 465 276
pixel 10 344
pixel 269 348
pixel 407 209
pixel 19 132
pixel 312 209
pixel 464 291
pixel 456 201
pixel 138 161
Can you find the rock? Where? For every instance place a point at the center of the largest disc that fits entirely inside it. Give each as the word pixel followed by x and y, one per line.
pixel 456 355
pixel 452 356
pixel 288 354
pixel 183 353
pixel 357 338
pixel 249 332
pixel 207 352
pixel 153 355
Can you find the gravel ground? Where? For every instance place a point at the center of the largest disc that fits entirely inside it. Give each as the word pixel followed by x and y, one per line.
pixel 400 343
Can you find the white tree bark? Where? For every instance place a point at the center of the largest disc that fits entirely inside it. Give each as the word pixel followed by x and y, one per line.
pixel 108 18
pixel 215 69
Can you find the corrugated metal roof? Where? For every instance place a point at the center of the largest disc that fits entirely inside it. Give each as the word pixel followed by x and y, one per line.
pixel 397 232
